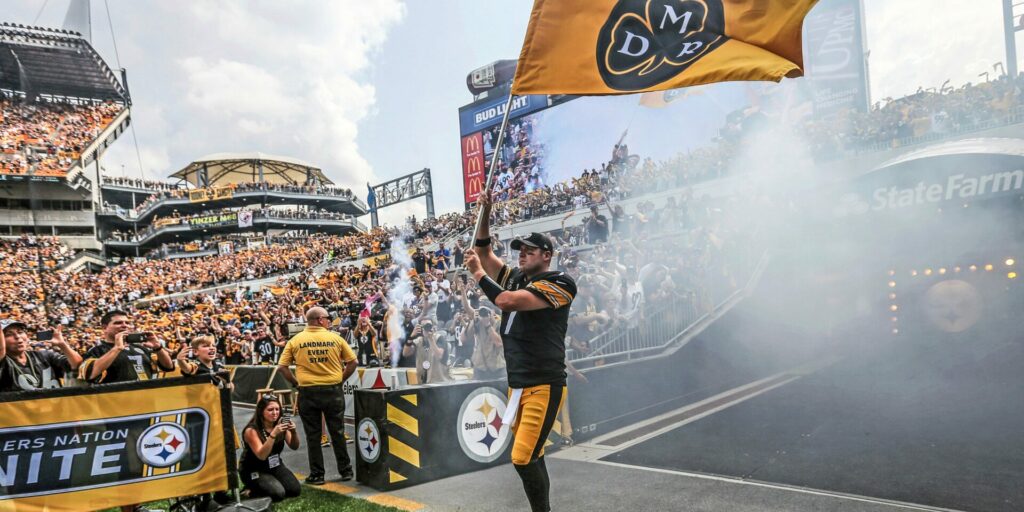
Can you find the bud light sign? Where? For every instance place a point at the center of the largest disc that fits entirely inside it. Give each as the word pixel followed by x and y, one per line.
pixel 484 114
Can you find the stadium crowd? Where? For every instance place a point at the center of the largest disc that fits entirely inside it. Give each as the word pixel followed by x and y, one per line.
pixel 44 138
pixel 121 181
pixel 927 113
pixel 238 316
pixel 698 241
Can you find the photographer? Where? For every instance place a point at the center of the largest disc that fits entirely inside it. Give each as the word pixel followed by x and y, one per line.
pixel 261 468
pixel 124 355
pixel 488 358
pixel 364 337
pixel 25 369
pixel 407 356
pixel 430 360
pixel 481 339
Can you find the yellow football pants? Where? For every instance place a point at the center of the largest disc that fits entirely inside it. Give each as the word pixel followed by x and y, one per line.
pixel 538 408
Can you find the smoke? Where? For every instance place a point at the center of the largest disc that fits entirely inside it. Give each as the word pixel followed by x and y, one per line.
pixel 400 294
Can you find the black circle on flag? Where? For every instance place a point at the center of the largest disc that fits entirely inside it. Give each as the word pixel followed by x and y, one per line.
pixel 646 42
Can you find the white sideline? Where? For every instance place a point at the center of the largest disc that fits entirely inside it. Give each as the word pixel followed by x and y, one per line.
pixel 782 487
pixel 593 449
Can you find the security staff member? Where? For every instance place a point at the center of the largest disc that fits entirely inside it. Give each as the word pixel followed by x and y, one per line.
pixel 534 303
pixel 323 362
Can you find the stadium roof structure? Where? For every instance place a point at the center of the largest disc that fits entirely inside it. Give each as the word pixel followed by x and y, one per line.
pixel 44 61
pixel 979 146
pixel 224 168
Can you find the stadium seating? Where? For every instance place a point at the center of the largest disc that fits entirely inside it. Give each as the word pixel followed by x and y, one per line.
pixel 45 138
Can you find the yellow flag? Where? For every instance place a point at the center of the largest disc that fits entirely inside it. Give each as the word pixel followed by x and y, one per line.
pixel 627 46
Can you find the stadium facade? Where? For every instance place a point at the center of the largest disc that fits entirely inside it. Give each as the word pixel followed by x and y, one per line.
pixel 48 185
pixel 250 195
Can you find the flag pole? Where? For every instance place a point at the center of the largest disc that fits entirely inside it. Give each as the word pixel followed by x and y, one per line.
pixel 494 164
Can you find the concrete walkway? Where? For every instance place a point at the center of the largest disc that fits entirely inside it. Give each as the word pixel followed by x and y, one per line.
pixel 591 487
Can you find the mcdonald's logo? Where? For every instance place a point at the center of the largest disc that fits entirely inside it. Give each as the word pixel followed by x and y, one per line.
pixel 472 144
pixel 474 166
pixel 473 188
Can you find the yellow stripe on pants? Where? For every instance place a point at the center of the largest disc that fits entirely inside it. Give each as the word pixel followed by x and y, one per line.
pixel 538 408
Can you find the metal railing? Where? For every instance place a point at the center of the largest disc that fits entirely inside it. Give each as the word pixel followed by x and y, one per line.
pixel 651 332
pixel 152 231
pixel 663 324
pixel 129 215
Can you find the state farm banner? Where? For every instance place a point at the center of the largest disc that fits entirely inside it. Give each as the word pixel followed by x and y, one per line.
pixel 78 449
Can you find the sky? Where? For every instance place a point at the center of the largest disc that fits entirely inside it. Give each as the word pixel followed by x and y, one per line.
pixel 370 90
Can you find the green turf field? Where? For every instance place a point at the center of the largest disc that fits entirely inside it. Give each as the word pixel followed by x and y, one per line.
pixel 311 500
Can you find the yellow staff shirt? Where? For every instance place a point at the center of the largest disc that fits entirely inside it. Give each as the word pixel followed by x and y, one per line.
pixel 318 355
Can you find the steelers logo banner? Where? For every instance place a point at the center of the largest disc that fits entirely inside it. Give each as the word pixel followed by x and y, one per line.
pixel 120 445
pixel 482 436
pixel 625 46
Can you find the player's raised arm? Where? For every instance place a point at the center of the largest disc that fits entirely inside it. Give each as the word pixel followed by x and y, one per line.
pixel 482 245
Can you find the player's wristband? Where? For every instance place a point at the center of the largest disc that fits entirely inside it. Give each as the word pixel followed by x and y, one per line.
pixel 483 242
pixel 491 289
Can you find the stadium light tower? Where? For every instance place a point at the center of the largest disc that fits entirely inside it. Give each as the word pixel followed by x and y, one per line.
pixel 1010 30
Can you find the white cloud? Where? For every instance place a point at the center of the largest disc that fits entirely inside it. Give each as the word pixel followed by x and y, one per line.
pixel 229 87
pixel 922 44
pixel 284 78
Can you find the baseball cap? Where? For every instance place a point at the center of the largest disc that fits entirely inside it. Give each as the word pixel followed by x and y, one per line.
pixel 534 240
pixel 4 324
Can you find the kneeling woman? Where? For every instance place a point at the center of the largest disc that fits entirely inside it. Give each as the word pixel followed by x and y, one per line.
pixel 262 469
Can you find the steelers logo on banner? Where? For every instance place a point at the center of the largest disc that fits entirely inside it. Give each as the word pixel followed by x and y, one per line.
pixel 163 445
pixel 646 42
pixel 368 440
pixel 482 436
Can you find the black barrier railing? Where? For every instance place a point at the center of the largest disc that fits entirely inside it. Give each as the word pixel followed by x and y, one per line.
pixel 423 433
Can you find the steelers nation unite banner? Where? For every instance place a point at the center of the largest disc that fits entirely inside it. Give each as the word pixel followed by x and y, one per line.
pixel 592 47
pixel 76 449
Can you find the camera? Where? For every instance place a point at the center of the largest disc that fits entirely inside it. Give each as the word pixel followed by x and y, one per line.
pixel 136 337
pixel 428 327
pixel 46 335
